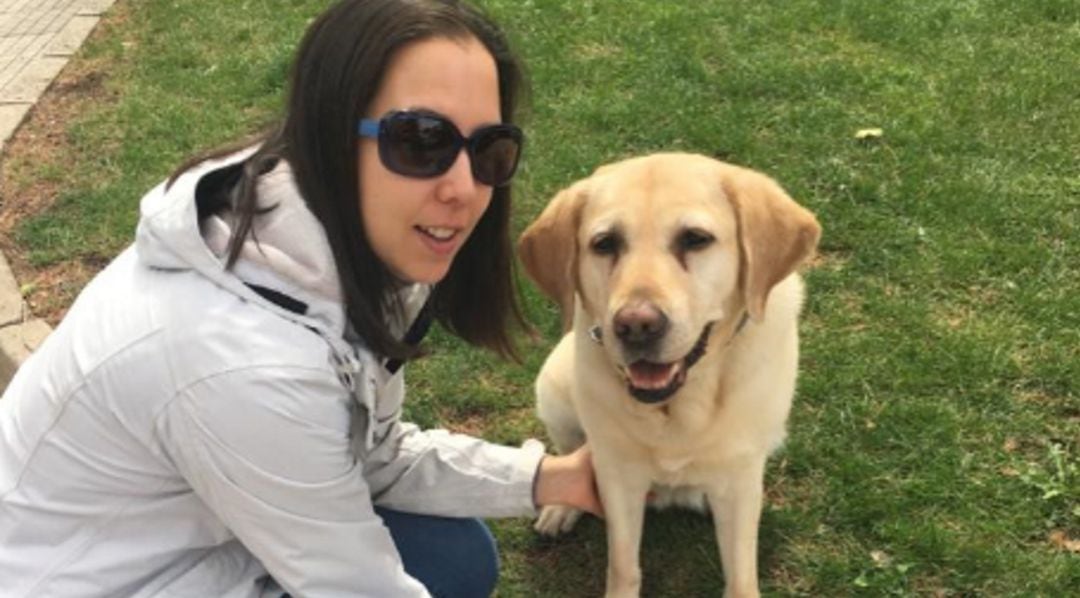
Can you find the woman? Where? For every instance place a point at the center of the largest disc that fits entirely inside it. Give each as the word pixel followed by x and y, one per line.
pixel 218 414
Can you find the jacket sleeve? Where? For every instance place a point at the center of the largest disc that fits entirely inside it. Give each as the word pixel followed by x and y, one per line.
pixel 267 449
pixel 436 472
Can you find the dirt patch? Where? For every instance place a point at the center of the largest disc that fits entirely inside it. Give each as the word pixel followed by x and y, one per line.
pixel 41 145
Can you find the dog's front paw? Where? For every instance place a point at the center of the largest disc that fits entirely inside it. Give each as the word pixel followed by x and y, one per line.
pixel 555 520
pixel 623 586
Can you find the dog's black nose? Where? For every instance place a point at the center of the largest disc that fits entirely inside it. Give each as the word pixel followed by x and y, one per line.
pixel 640 324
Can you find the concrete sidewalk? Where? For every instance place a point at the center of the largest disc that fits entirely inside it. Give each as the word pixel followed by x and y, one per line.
pixel 37 37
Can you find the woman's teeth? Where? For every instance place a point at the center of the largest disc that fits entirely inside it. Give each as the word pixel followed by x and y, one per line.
pixel 437 233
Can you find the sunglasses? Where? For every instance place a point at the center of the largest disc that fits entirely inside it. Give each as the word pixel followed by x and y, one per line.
pixel 423 144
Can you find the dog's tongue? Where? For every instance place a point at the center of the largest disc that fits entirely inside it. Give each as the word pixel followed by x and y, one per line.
pixel 649 376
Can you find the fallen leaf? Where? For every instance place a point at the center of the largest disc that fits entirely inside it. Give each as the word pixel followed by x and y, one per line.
pixel 869 134
pixel 1060 540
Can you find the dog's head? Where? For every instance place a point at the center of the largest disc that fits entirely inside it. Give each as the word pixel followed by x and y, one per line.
pixel 660 249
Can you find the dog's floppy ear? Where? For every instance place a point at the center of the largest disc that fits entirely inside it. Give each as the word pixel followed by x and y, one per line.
pixel 548 249
pixel 775 233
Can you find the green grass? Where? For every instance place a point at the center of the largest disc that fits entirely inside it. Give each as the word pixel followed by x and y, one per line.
pixel 937 424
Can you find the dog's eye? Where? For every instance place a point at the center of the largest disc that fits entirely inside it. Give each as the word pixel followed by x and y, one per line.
pixel 692 240
pixel 605 244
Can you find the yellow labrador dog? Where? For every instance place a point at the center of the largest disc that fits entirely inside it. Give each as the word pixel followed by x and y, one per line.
pixel 675 274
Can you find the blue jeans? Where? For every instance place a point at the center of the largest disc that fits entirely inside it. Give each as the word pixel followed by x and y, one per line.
pixel 453 558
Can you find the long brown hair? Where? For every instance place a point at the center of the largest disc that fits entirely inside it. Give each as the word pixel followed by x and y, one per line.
pixel 337 71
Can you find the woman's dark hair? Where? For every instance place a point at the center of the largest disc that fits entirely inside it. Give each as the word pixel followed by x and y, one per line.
pixel 338 69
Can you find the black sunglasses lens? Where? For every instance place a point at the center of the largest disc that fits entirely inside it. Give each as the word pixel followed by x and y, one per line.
pixel 417 145
pixel 495 154
pixel 422 145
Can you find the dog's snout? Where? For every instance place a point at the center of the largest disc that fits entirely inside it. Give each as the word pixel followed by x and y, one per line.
pixel 640 324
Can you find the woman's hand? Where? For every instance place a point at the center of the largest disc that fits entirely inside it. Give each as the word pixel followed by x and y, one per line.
pixel 569 480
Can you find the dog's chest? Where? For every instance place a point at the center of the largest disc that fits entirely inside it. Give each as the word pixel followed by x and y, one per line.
pixel 675 454
pixel 683 455
pixel 678 470
pixel 673 471
pixel 673 465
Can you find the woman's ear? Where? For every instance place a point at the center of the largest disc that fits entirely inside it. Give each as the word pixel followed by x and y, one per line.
pixel 776 234
pixel 549 250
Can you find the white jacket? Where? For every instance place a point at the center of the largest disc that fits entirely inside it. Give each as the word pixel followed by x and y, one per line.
pixel 180 435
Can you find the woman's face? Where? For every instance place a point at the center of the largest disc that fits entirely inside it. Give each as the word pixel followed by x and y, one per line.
pixel 416 226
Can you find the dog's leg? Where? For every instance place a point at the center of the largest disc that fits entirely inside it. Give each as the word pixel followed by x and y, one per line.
pixel 554 399
pixel 555 409
pixel 559 417
pixel 623 488
pixel 736 507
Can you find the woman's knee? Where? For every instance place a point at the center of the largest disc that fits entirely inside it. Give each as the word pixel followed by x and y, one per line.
pixel 478 562
pixel 453 558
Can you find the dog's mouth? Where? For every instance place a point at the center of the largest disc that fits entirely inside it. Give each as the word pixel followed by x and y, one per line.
pixel 651 382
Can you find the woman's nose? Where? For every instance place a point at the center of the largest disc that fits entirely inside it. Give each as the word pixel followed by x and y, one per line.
pixel 457 183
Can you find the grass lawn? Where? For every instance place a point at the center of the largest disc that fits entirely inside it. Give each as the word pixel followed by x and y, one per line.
pixel 935 440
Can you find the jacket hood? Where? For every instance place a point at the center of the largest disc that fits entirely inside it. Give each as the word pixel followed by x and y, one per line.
pixel 291 256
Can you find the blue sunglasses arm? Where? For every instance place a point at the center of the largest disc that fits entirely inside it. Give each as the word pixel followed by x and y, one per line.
pixel 368 127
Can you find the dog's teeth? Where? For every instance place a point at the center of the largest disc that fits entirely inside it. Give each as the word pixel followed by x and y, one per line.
pixel 652 376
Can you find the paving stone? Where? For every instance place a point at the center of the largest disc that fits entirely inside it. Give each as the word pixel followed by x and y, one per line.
pixel 11 302
pixel 94 7
pixel 37 21
pixel 9 67
pixel 29 84
pixel 72 36
pixel 17 343
pixel 7 22
pixel 11 116
pixel 11 46
pixel 24 47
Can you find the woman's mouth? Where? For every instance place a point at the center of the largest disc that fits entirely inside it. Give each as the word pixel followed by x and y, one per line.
pixel 439 234
pixel 441 240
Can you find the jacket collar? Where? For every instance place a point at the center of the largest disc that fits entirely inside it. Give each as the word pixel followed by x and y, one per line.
pixel 291 258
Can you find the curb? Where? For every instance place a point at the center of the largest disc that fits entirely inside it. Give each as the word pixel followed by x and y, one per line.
pixel 20 333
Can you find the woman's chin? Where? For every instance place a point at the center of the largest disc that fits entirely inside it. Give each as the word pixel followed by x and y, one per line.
pixel 426 274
